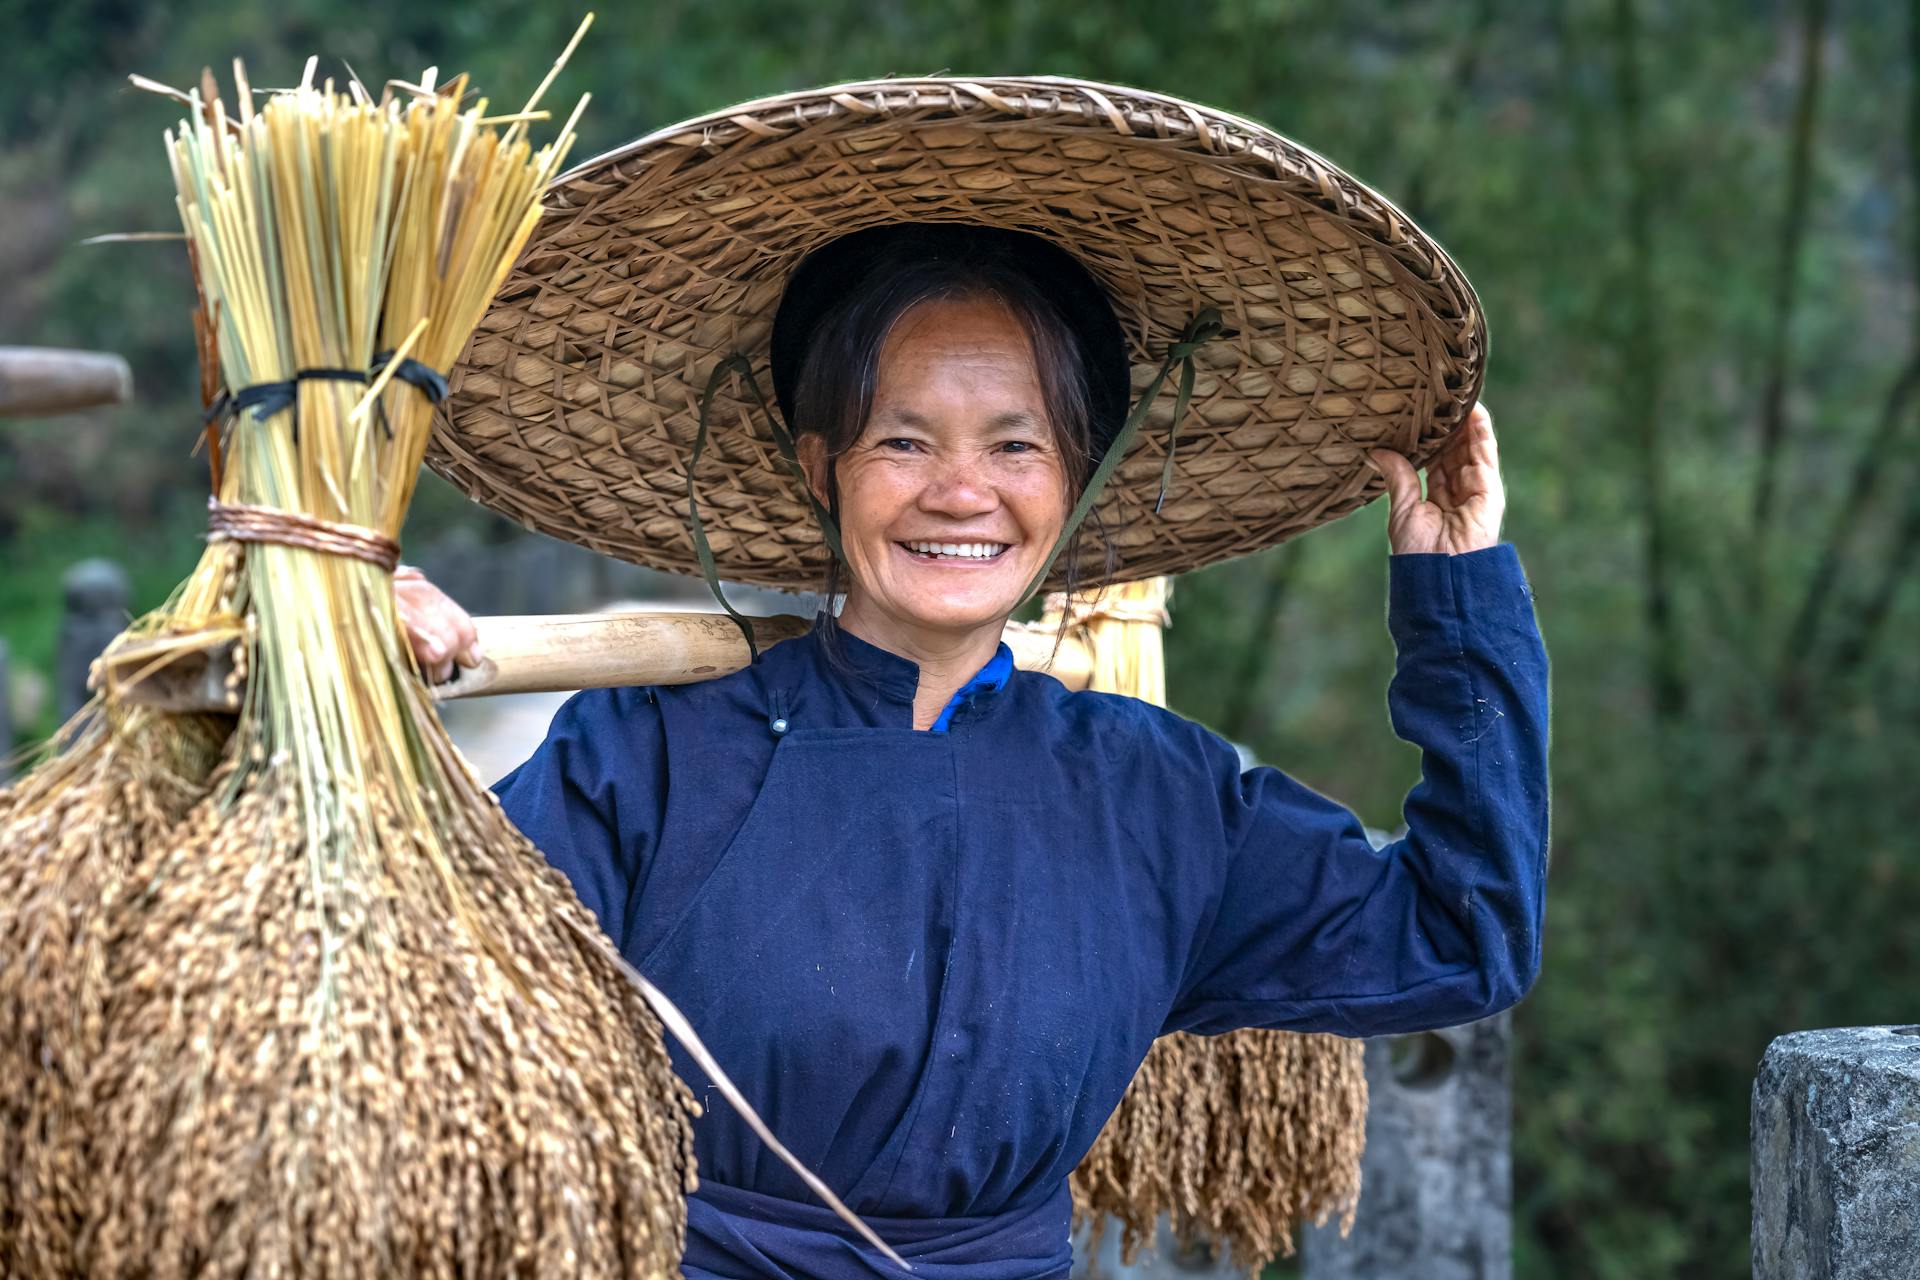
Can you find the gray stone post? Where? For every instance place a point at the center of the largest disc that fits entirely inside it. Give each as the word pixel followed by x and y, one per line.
pixel 1836 1156
pixel 1437 1176
pixel 1167 1260
pixel 97 596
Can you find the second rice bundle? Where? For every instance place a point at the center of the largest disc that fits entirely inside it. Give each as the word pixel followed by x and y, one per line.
pixel 1236 1138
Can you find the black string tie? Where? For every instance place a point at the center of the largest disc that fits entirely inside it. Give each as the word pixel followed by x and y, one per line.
pixel 268 398
pixel 431 382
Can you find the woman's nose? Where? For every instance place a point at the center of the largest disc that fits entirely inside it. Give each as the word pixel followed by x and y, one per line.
pixel 960 487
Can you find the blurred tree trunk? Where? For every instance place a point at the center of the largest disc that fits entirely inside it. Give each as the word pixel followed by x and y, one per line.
pixel 1859 642
pixel 1250 709
pixel 1453 98
pixel 1859 639
pixel 1773 413
pixel 1645 367
pixel 1800 678
pixel 1795 672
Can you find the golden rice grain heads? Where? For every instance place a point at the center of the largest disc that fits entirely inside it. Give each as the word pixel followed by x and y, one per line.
pixel 72 833
pixel 1236 1138
pixel 346 1083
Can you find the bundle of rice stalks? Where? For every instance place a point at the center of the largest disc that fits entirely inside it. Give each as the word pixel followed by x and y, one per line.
pixel 1235 1137
pixel 72 832
pixel 344 1020
pixel 110 785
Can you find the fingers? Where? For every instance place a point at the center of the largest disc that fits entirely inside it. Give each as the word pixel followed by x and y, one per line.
pixel 1468 465
pixel 1464 498
pixel 466 641
pixel 1479 495
pixel 1484 440
pixel 1473 445
pixel 439 631
pixel 1440 482
pixel 1403 482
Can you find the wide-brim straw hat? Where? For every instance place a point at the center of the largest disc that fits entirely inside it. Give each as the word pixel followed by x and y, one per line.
pixel 574 410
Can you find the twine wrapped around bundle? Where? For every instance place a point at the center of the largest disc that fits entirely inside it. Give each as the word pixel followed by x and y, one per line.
pixel 1236 1137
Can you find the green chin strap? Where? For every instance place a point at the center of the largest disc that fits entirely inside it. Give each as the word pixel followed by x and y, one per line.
pixel 1205 326
pixel 783 440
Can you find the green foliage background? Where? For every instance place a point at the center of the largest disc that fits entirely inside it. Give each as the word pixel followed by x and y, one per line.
pixel 1733 800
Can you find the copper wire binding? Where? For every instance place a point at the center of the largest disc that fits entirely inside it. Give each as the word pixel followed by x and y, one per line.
pixel 244 522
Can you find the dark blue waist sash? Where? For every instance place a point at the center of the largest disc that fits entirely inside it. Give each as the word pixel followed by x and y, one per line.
pixel 743 1235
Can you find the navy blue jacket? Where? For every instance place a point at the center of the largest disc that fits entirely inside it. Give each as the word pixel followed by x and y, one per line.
pixel 934 961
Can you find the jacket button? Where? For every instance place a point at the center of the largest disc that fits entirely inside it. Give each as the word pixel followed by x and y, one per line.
pixel 780 725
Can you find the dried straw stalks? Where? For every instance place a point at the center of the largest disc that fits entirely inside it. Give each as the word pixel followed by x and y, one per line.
pixel 72 831
pixel 1235 1137
pixel 112 785
pixel 305 1002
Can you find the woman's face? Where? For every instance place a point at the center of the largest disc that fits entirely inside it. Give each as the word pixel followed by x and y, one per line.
pixel 954 492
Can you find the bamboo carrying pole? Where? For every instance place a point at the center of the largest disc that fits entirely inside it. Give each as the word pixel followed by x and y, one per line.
pixel 542 654
pixel 47 380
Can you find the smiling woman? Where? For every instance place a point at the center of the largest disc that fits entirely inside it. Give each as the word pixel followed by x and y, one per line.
pixel 907 337
pixel 947 415
pixel 944 417
pixel 932 912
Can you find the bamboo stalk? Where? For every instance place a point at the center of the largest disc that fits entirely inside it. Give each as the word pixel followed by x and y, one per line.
pixel 47 380
pixel 551 653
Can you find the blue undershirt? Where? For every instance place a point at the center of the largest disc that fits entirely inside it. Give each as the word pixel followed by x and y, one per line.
pixel 989 679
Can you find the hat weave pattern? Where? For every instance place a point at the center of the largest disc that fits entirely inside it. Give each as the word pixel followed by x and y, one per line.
pixel 574 408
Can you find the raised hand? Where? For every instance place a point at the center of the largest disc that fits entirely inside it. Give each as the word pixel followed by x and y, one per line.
pixel 440 631
pixel 1465 499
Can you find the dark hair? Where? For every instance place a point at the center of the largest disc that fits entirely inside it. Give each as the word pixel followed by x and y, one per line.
pixel 845 299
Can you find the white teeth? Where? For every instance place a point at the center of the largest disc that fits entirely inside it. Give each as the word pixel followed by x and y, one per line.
pixel 963 550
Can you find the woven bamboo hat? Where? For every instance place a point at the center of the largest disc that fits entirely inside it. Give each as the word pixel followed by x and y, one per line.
pixel 574 410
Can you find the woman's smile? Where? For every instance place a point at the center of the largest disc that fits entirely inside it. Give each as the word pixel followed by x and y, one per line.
pixel 956 553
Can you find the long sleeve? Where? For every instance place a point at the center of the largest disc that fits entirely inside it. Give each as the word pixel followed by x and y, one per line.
pixel 1311 928
pixel 590 798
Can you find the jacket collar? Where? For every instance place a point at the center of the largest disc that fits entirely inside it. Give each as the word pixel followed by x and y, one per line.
pixel 865 672
pixel 845 659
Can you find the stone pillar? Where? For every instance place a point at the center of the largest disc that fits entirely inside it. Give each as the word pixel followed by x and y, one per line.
pixel 1836 1156
pixel 1168 1260
pixel 97 597
pixel 1436 1199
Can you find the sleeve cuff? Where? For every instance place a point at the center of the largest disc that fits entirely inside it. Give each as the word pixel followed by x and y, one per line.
pixel 1429 593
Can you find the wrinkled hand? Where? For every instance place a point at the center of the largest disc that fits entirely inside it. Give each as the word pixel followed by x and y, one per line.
pixel 1465 498
pixel 440 631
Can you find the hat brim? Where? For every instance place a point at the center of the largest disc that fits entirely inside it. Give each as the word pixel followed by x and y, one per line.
pixel 574 408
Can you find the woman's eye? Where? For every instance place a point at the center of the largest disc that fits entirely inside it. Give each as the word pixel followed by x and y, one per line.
pixel 899 444
pixel 1018 446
